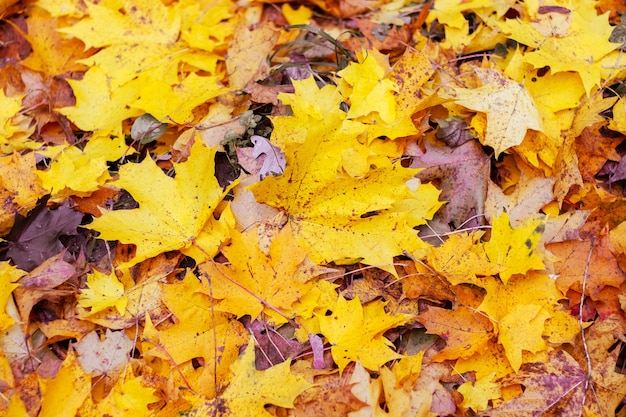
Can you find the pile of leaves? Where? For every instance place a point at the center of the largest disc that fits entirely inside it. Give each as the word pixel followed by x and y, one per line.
pixel 360 208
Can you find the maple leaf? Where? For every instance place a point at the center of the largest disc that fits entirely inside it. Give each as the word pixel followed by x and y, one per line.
pixel 64 394
pixel 35 238
pixel 371 90
pixel 250 390
pixel 463 171
pixel 172 212
pixel 514 250
pixel 554 388
pixel 15 128
pixel 331 395
pixel 577 258
pixel 579 48
pixel 53 54
pixel 103 291
pixel 461 258
pixel 522 202
pixel 199 332
pixel 152 59
pixel 20 188
pixel 247 55
pixel 355 332
pixel 8 277
pixel 604 347
pixel 519 310
pixel 256 282
pixel 336 216
pixel 510 109
pixel 129 396
pixel 464 331
pixel 76 172
pixel 106 356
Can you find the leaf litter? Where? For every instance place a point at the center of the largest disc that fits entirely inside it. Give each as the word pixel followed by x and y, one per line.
pixel 346 208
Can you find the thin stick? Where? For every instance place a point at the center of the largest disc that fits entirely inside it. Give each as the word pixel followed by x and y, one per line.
pixel 172 361
pixel 581 323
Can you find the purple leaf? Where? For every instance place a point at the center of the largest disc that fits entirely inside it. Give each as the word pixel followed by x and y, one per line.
pixel 274 162
pixel 36 237
pixel 463 172
pixel 272 347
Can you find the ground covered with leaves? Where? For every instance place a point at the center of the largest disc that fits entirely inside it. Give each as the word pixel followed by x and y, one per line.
pixel 353 208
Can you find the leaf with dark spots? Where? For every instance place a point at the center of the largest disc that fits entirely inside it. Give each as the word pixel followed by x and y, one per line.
pixel 35 238
pixel 463 172
pixel 554 388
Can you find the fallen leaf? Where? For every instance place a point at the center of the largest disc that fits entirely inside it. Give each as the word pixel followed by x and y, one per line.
pixel 250 390
pixel 64 394
pixel 521 243
pixel 103 291
pixel 254 282
pixel 555 388
pixel 20 188
pixel 510 109
pixel 330 212
pixel 355 332
pixel 155 228
pixel 577 258
pixel 106 356
pixel 464 330
pixel 463 172
pixel 35 238
pixel 8 276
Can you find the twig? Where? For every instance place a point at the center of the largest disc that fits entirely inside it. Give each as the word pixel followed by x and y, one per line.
pixel 581 323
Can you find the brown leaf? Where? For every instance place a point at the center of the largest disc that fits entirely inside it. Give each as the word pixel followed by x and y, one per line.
pixel 603 269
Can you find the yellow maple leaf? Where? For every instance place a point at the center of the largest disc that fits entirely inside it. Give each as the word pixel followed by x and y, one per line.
pixel 525 302
pixel 148 79
pixel 9 274
pixel 129 396
pixel 199 332
pixel 132 23
pixel 252 278
pixel 65 393
pixel 335 216
pixel 510 109
pixel 488 366
pixel 513 250
pixel 103 291
pixel 15 128
pixel 79 172
pixel 20 188
pixel 346 219
pixel 53 54
pixel 371 89
pixel 461 258
pixel 250 390
pixel 172 211
pixel 521 329
pixel 356 332
pixel 579 48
